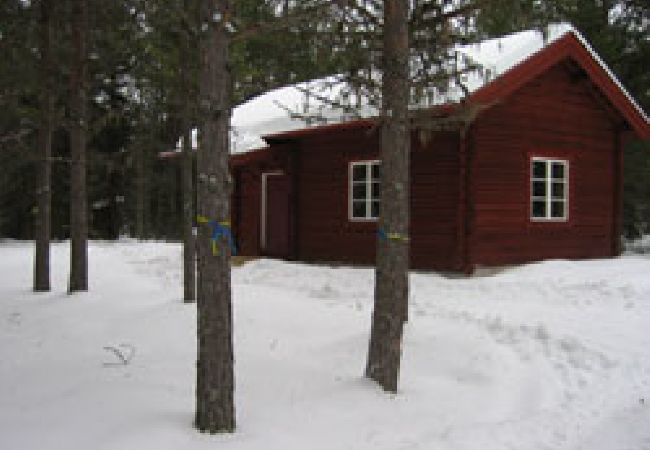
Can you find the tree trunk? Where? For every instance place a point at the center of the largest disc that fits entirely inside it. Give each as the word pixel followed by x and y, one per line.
pixel 44 181
pixel 140 188
pixel 78 196
pixel 187 176
pixel 391 275
pixel 189 246
pixel 172 221
pixel 215 410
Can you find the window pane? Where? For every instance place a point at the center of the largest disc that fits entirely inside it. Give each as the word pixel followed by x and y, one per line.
pixel 375 191
pixel 557 209
pixel 359 210
pixel 539 208
pixel 539 189
pixel 374 209
pixel 557 170
pixel 376 171
pixel 539 169
pixel 359 191
pixel 557 191
pixel 358 172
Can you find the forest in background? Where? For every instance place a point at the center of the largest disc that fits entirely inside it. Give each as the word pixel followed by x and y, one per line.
pixel 139 56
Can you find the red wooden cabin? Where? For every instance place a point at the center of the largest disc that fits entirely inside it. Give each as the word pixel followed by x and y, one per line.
pixel 537 174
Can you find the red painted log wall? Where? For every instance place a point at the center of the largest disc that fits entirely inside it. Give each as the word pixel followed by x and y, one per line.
pixel 458 223
pixel 555 115
pixel 321 229
pixel 325 231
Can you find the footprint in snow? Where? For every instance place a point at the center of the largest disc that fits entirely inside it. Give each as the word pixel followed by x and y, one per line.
pixel 15 318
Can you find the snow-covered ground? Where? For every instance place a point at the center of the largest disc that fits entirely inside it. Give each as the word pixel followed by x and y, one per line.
pixel 554 356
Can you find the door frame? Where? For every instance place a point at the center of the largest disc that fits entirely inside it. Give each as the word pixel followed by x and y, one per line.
pixel 263 206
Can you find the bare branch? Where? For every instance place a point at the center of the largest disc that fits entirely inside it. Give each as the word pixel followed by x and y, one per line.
pixel 16 136
pixel 124 353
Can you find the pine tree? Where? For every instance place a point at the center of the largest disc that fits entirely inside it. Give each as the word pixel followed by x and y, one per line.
pixel 44 180
pixel 78 128
pixel 392 264
pixel 215 409
pixel 187 181
pixel 187 37
pixel 409 45
pixel 20 117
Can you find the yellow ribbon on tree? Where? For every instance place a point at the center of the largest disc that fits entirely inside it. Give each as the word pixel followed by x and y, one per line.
pixel 392 236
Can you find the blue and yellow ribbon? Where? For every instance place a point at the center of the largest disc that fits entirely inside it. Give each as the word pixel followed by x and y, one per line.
pixel 220 229
pixel 386 236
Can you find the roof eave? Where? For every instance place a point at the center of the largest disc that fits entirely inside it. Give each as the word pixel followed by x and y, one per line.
pixel 294 134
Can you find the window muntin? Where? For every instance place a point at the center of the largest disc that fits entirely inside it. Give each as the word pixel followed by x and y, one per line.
pixel 364 190
pixel 549 189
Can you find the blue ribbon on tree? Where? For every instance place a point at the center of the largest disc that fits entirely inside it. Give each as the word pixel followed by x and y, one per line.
pixel 220 229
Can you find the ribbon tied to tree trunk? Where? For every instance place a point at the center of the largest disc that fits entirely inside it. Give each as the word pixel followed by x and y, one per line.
pixel 220 230
pixel 386 236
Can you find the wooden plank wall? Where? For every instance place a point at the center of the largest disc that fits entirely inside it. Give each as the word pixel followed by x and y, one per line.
pixel 246 200
pixel 247 206
pixel 326 233
pixel 555 115
pixel 435 202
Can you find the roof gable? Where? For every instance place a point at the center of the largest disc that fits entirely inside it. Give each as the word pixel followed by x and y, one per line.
pixel 573 46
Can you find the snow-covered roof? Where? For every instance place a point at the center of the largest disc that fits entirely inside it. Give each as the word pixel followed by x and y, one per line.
pixel 289 108
pixel 284 109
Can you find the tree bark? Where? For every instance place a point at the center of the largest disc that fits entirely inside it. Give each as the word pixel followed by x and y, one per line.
pixel 187 179
pixel 391 274
pixel 44 181
pixel 141 199
pixel 215 411
pixel 189 246
pixel 78 109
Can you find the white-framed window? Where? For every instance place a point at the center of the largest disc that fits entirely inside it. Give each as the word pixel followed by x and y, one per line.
pixel 364 190
pixel 549 189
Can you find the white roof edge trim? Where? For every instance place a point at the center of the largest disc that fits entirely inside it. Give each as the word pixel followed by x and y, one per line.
pixel 609 72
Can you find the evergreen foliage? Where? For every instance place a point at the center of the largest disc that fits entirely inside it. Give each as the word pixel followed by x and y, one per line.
pixel 136 51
